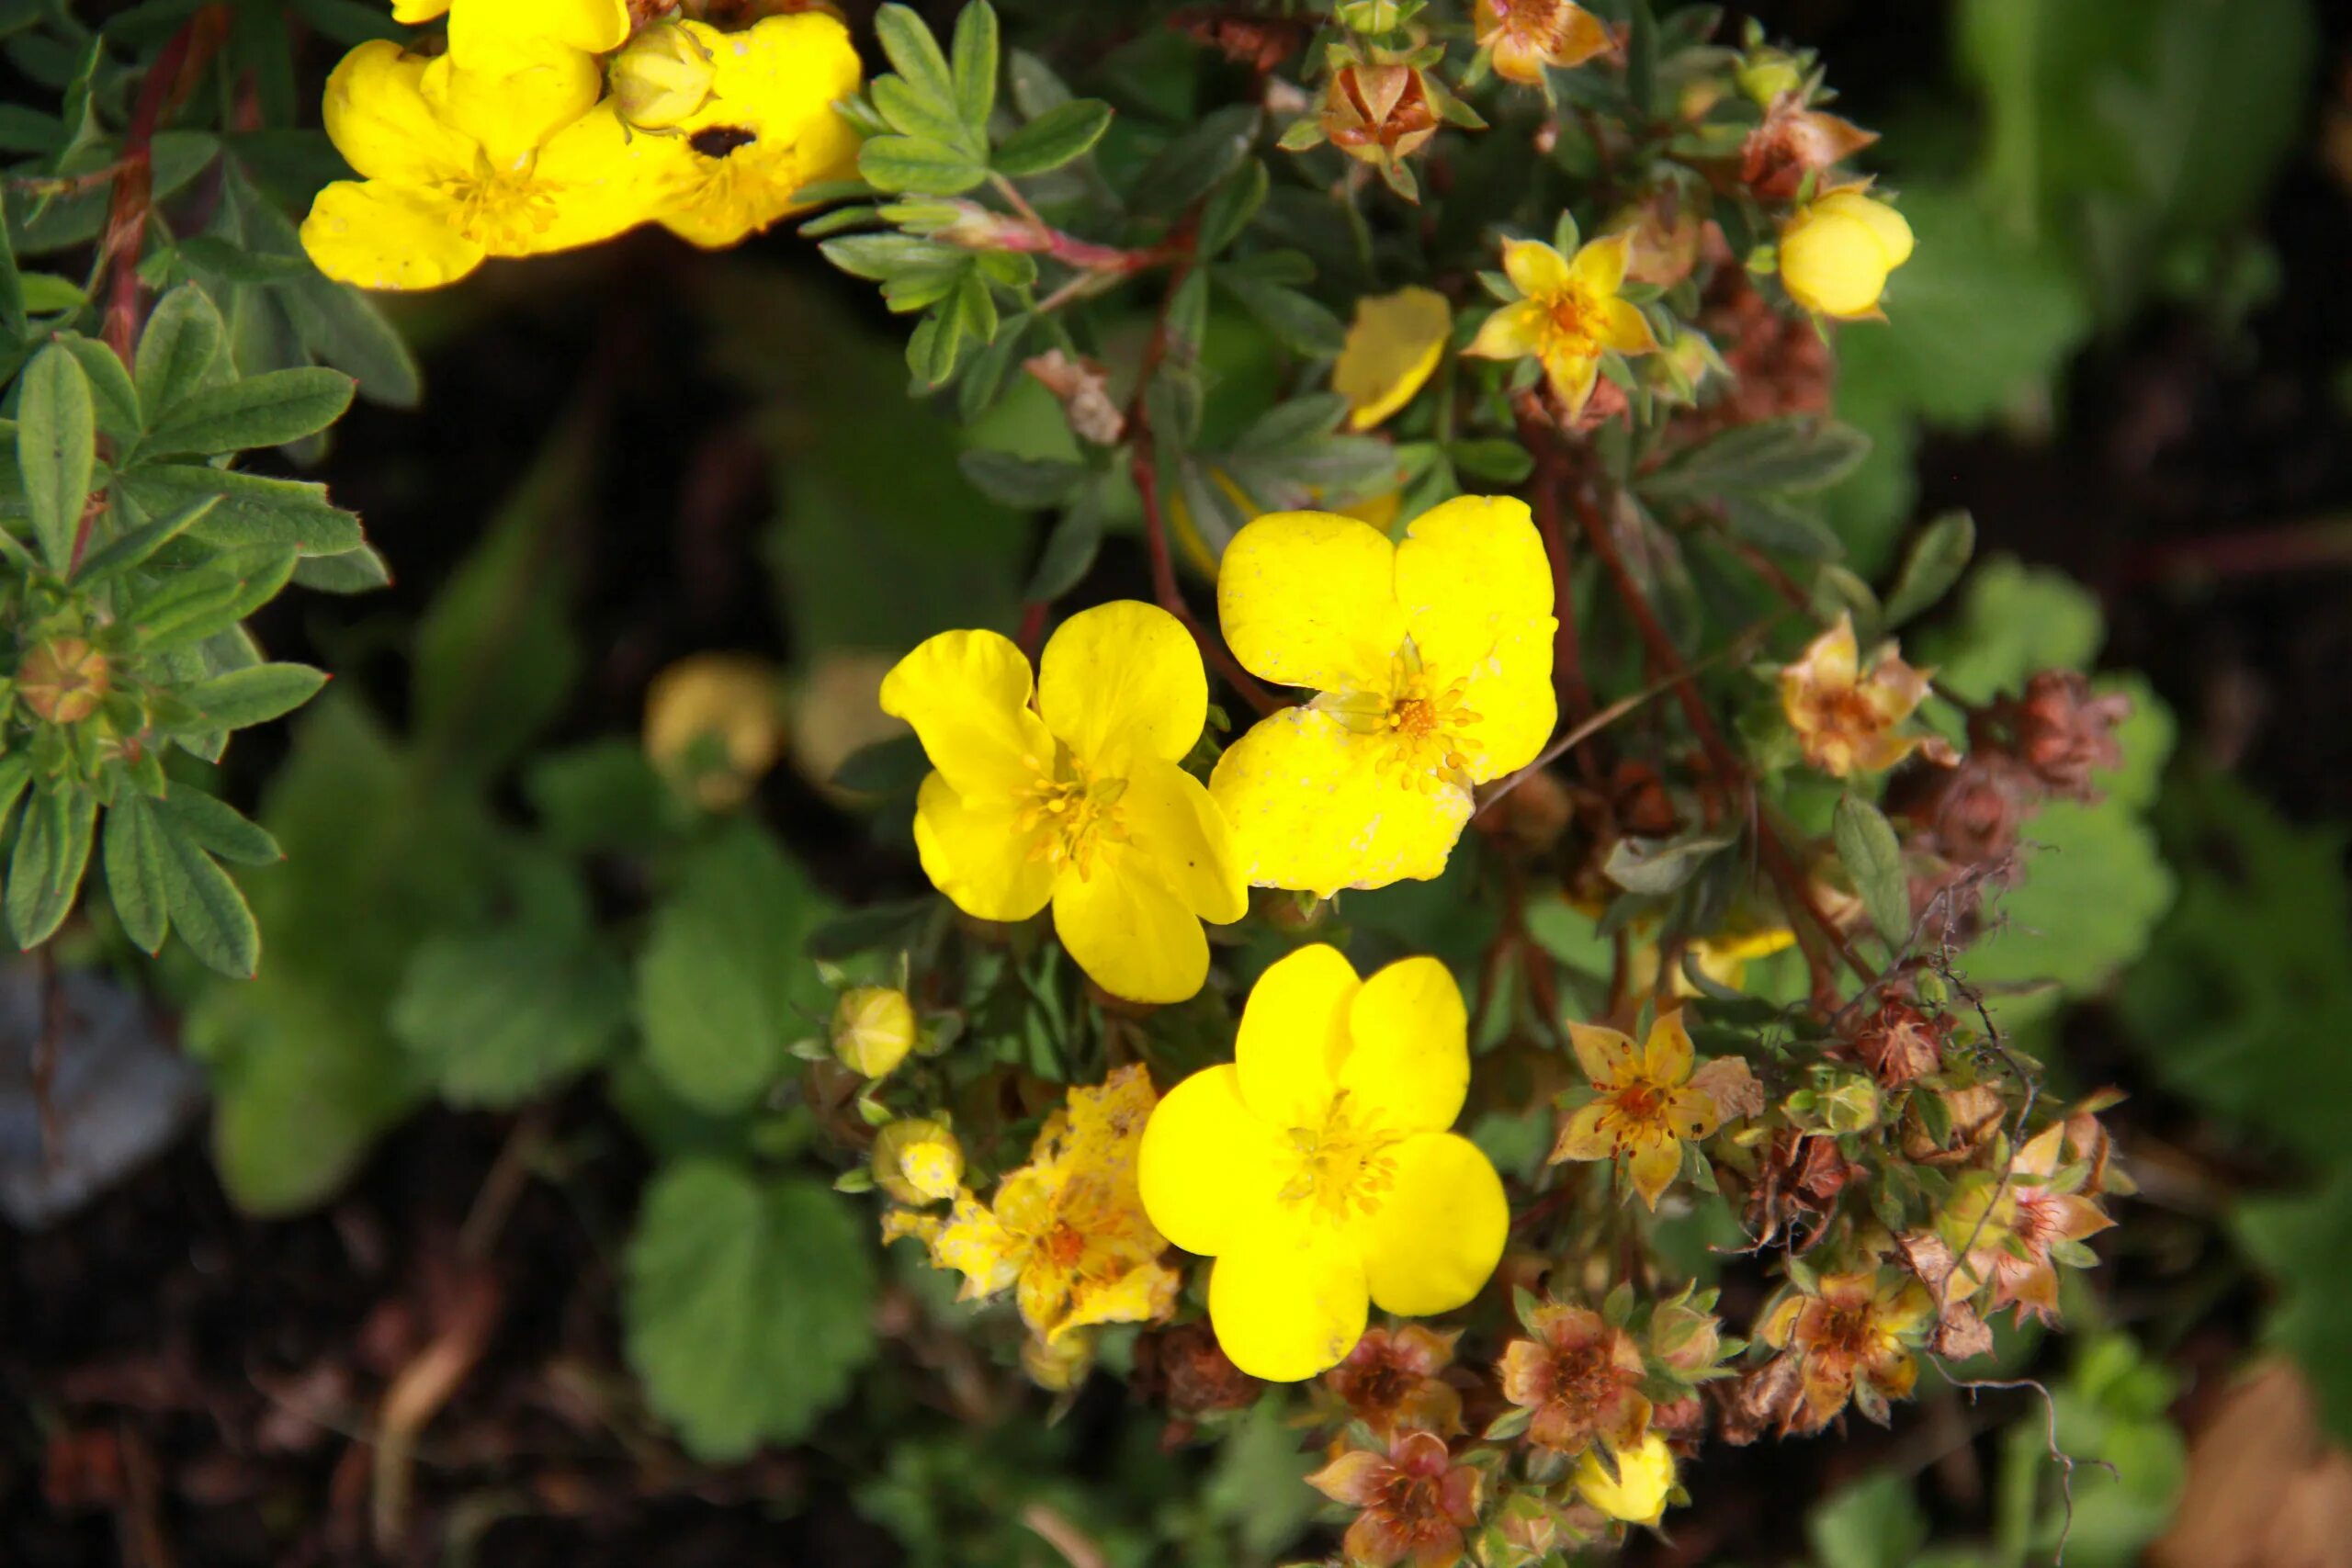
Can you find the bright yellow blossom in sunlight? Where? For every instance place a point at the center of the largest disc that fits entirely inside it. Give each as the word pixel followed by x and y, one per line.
pixel 1638 1493
pixel 1394 344
pixel 767 129
pixel 1645 1107
pixel 1568 316
pixel 459 165
pixel 1528 35
pixel 1067 1231
pixel 1433 660
pixel 715 723
pixel 1317 1167
pixel 1835 253
pixel 592 26
pixel 1846 718
pixel 1075 800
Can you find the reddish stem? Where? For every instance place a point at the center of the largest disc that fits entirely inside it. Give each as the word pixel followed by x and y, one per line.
pixel 1033 628
pixel 1568 654
pixel 168 80
pixel 1163 572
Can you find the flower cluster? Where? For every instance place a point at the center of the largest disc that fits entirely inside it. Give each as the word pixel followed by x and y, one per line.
pixel 546 126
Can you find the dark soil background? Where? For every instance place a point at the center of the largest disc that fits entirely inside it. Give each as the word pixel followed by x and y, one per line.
pixel 181 1385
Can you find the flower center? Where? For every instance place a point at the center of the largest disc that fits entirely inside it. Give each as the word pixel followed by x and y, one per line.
pixel 504 210
pixel 1064 1246
pixel 1344 1168
pixel 1071 816
pixel 1421 722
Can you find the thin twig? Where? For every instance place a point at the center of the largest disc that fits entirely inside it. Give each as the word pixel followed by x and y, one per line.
pixel 2065 1461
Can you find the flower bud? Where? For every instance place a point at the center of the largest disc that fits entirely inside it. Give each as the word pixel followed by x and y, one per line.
pixel 662 77
pixel 873 1028
pixel 1835 254
pixel 1058 1365
pixel 1765 75
pixel 1686 1341
pixel 1637 1494
pixel 1850 1105
pixel 64 680
pixel 918 1161
pixel 713 723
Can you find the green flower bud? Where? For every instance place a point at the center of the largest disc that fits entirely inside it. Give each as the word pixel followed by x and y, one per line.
pixel 873 1028
pixel 662 77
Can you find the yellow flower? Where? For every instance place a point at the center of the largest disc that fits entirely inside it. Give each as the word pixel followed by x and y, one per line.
pixel 459 165
pixel 1317 1167
pixel 1845 718
pixel 1647 1107
pixel 1568 316
pixel 1723 958
pixel 1528 35
pixel 481 31
pixel 1638 1493
pixel 1850 1335
pixel 1835 253
pixel 727 698
pixel 873 1028
pixel 1076 801
pixel 1433 662
pixel 1395 343
pixel 918 1161
pixel 1068 1230
pixel 768 129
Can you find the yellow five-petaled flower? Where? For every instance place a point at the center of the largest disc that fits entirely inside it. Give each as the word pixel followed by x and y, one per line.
pixel 1569 314
pixel 1433 660
pixel 1066 792
pixel 1317 1167
pixel 1645 1105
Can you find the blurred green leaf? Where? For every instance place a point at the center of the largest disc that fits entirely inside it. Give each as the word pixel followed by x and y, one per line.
pixel 2305 1244
pixel 1874 1523
pixel 502 1018
pixel 2014 620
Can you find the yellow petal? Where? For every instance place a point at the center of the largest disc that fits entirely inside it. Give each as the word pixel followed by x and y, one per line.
pixel 974 850
pixel 1309 599
pixel 609 178
pixel 1175 828
pixel 1476 591
pixel 1393 346
pixel 776 82
pixel 1123 679
pixel 536 89
pixel 378 118
pixel 966 694
pixel 1143 1294
pixel 1572 370
pixel 380 236
pixel 1409 1065
pixel 1645 1475
pixel 1207 1168
pixel 1833 263
pixel 1890 229
pixel 1513 332
pixel 1434 1242
pixel 1294 1036
pixel 1583 1137
pixel 976 1244
pixel 1607 1058
pixel 484 29
pixel 415 13
pixel 1310 810
pixel 1831 662
pixel 1655 1162
pixel 1666 1057
pixel 1535 269
pixel 1599 266
pixel 1289 1303
pixel 1130 932
pixel 1626 330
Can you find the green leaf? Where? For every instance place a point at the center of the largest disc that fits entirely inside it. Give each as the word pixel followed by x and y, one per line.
pixel 974 65
pixel 1231 208
pixel 1791 454
pixel 1937 557
pixel 914 53
pixel 747 1306
pixel 187 610
pixel 1196 162
pixel 268 409
pixel 207 910
pixel 1661 865
pixel 603 795
pixel 245 698
pixel 120 555
pixel 2305 1243
pixel 1874 1523
pixel 254 508
pixel 216 826
pixel 2013 621
pixel 919 167
pixel 1026 482
pixel 113 398
pixel 924 118
pixel 1070 552
pixel 506 1017
pixel 1298 322
pixel 57 438
pixel 1504 462
pixel 134 863
pixel 1778 522
pixel 885 767
pixel 45 873
pixel 362 570
pixel 1873 858
pixel 12 290
pixel 179 347
pixel 723 983
pixel 1061 135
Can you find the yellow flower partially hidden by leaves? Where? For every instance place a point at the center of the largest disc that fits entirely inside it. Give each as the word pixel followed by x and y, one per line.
pixel 1068 1231
pixel 1835 253
pixel 1637 1494
pixel 1317 1167
pixel 1076 799
pixel 767 129
pixel 2012 1233
pixel 714 722
pixel 1394 344
pixel 1723 958
pixel 458 165
pixel 1568 314
pixel 1646 1106
pixel 1846 718
pixel 1432 661
pixel 1852 1336
pixel 1528 35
